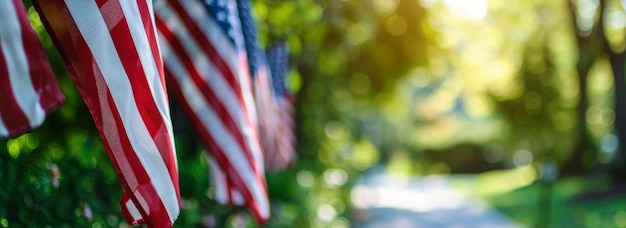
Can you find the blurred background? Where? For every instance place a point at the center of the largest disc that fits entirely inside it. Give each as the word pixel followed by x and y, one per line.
pixel 517 103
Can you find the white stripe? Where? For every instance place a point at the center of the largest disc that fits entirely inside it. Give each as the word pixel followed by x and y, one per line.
pixel 3 129
pixel 132 209
pixel 238 200
pixel 151 4
pixel 212 123
pixel 150 68
pixel 218 180
pixel 17 64
pixel 91 24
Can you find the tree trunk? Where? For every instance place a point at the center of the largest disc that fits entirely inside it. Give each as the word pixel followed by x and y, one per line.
pixel 589 48
pixel 619 79
pixel 576 162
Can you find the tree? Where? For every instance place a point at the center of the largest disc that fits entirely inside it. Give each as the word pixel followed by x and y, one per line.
pixel 593 44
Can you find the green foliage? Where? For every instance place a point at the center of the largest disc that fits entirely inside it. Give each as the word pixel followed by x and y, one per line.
pixel 48 184
pixel 539 115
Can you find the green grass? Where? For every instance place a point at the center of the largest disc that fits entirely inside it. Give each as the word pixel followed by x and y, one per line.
pixel 553 205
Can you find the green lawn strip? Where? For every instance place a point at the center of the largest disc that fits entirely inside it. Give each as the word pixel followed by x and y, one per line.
pixel 529 204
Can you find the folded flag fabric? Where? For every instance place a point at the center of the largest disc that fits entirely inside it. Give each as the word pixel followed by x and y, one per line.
pixel 28 90
pixel 278 58
pixel 110 48
pixel 206 69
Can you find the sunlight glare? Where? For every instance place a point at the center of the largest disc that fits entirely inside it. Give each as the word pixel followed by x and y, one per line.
pixel 326 213
pixel 522 158
pixel 472 10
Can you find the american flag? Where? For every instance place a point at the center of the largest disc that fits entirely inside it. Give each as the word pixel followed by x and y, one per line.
pixel 110 48
pixel 206 67
pixel 278 57
pixel 267 107
pixel 269 113
pixel 28 91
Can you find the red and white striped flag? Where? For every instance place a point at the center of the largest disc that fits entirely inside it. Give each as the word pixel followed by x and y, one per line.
pixel 28 91
pixel 278 57
pixel 110 48
pixel 269 116
pixel 206 67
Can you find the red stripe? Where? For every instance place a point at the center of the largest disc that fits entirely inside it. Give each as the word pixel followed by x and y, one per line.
pixel 13 116
pixel 218 153
pixel 281 156
pixel 209 95
pixel 288 137
pixel 146 104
